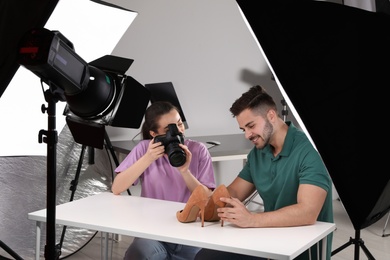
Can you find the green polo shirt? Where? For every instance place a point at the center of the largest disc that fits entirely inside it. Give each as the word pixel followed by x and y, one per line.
pixel 277 178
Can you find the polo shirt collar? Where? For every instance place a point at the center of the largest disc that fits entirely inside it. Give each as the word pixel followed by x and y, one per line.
pixel 288 142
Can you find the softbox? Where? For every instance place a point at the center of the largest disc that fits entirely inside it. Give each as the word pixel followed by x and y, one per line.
pixel 332 61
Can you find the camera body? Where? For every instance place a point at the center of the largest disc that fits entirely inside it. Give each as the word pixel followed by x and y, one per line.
pixel 171 141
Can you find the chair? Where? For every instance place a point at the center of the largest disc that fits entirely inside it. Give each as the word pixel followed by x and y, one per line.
pixel 251 198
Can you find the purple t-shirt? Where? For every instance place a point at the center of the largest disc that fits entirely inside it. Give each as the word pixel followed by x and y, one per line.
pixel 163 181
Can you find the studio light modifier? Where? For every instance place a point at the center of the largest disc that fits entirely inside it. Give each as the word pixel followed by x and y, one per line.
pixel 97 93
pixel 88 91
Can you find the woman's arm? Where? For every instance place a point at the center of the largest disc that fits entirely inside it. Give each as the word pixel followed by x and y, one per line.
pixel 126 178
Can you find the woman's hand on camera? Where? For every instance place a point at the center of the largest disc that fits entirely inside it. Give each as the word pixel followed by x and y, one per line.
pixel 155 150
pixel 186 165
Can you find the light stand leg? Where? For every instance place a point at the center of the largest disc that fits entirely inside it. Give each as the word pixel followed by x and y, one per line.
pixel 111 148
pixel 112 151
pixel 10 251
pixel 51 139
pixel 73 187
pixel 385 226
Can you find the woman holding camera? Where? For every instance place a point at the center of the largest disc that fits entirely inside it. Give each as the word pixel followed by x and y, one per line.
pixel 151 163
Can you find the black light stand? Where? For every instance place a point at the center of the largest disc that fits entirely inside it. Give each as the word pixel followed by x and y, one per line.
pixel 98 91
pixel 358 242
pixel 50 137
pixel 284 110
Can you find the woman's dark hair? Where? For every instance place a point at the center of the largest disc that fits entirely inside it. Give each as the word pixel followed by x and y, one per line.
pixel 255 99
pixel 152 116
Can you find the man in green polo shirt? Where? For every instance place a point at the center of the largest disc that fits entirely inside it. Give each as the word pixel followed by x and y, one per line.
pixel 284 168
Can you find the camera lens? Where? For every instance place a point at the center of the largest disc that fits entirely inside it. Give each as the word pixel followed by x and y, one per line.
pixel 176 155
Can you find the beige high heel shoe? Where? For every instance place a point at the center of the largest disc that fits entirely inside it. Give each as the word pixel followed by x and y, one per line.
pixel 214 202
pixel 196 202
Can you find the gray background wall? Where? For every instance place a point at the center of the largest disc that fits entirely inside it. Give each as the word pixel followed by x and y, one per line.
pixel 204 48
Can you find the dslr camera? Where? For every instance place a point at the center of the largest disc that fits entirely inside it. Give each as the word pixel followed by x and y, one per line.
pixel 171 141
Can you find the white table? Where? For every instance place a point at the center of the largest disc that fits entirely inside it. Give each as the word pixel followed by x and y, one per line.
pixel 156 219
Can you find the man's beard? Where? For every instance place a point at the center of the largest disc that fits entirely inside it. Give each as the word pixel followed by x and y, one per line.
pixel 266 136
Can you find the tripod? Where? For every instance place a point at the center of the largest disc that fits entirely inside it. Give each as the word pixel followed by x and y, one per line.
pixel 358 242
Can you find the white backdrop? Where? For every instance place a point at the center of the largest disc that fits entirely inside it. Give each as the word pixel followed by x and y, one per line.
pixel 94 30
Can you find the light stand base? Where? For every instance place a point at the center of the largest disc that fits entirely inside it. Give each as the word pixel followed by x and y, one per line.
pixel 359 243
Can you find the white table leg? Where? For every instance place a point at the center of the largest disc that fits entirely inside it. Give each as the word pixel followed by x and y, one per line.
pixel 38 240
pixel 324 249
pixel 104 246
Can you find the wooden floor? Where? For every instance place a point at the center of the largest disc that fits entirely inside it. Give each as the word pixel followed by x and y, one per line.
pixel 377 245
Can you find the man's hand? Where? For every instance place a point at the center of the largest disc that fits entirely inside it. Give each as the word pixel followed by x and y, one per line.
pixel 236 213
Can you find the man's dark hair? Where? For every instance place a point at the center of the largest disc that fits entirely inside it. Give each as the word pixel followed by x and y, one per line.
pixel 255 99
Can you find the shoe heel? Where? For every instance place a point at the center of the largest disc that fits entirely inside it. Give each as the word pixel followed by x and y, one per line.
pixel 196 202
pixel 214 203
